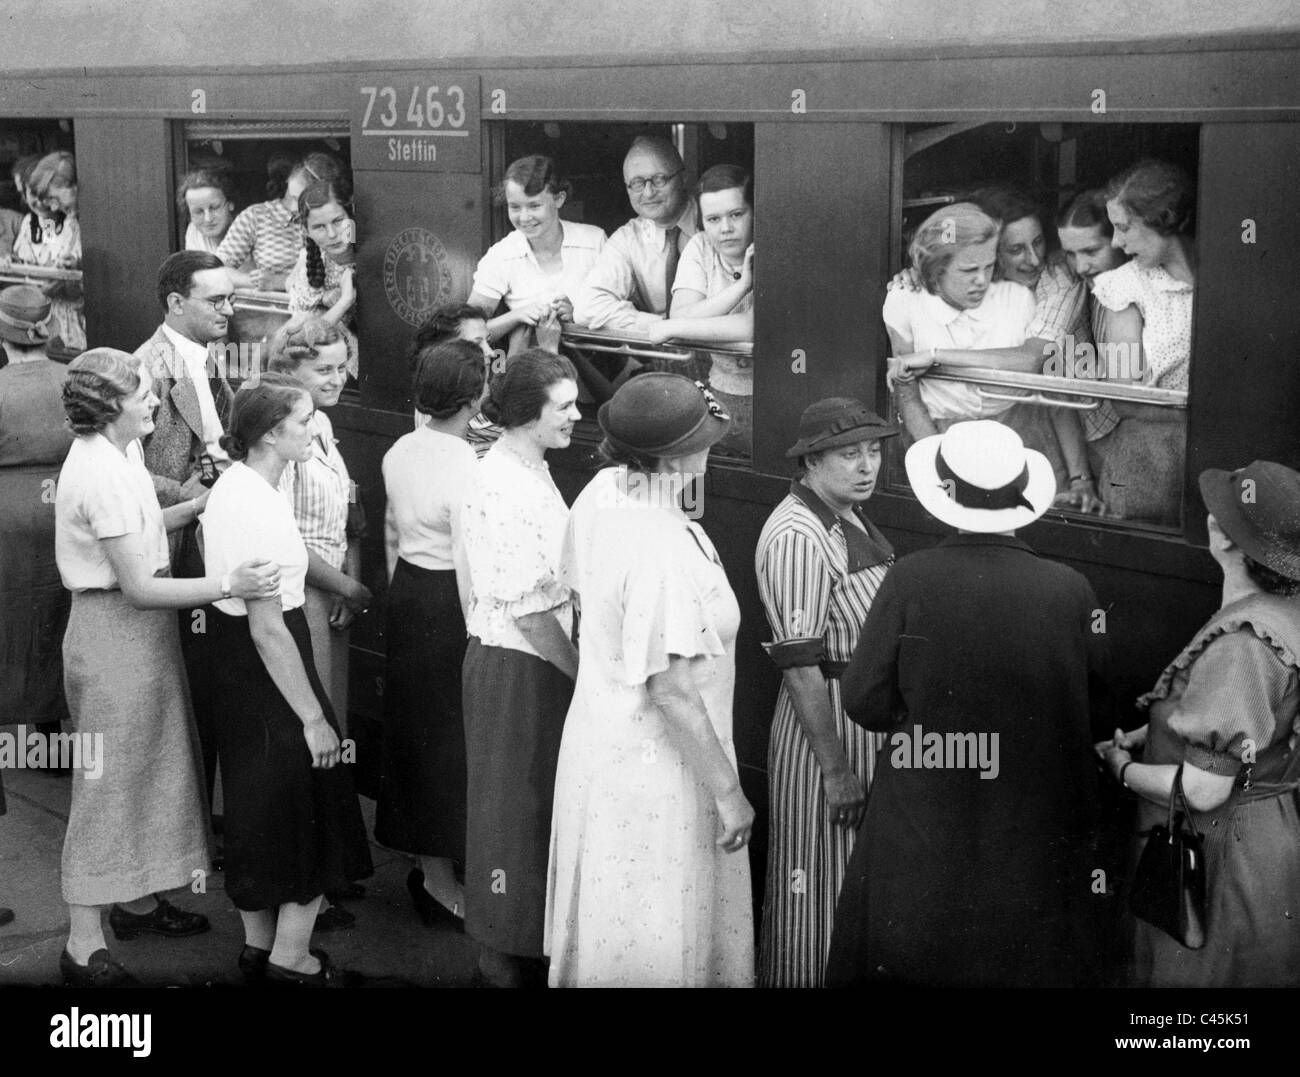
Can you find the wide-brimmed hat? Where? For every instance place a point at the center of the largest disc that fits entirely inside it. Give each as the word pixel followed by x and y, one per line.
pixel 837 420
pixel 24 315
pixel 1258 507
pixel 662 414
pixel 978 476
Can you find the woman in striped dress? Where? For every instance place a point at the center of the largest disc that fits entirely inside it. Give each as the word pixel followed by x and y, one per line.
pixel 819 563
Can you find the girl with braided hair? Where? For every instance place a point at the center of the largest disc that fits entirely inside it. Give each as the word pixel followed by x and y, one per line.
pixel 321 282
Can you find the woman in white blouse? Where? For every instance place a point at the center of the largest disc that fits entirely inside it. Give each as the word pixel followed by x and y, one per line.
pixel 537 269
pixel 520 663
pixel 962 317
pixel 427 475
pixel 138 826
pixel 1146 335
pixel 293 825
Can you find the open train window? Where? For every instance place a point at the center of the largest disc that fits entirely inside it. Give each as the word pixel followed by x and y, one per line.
pixel 40 230
pixel 236 184
pixel 617 312
pixel 1078 336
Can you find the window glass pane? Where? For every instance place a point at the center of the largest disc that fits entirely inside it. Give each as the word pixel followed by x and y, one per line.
pixel 620 297
pixel 40 225
pixel 240 189
pixel 1014 283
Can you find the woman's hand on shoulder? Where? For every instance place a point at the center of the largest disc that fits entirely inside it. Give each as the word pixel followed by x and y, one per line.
pixel 905 280
pixel 322 742
pixel 737 816
pixel 255 580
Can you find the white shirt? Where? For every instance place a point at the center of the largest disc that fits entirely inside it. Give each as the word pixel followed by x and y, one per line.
pixel 1166 307
pixel 702 270
pixel 104 494
pixel 427 476
pixel 1000 321
pixel 248 519
pixel 509 270
pixel 513 520
pixel 627 287
pixel 195 357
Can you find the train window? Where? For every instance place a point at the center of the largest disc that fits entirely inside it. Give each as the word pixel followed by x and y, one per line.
pixel 620 294
pixel 1025 295
pixel 40 230
pixel 238 185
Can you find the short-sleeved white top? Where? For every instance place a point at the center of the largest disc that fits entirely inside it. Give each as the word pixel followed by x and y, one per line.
pixel 513 521
pixel 1001 321
pixel 104 494
pixel 427 476
pixel 1166 307
pixel 249 519
pixel 509 269
pixel 702 270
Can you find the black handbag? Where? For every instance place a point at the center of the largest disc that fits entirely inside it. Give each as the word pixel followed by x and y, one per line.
pixel 1168 889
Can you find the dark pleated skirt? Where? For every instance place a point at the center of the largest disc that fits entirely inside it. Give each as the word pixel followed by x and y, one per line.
pixel 515 705
pixel 422 789
pixel 291 831
pixel 33 603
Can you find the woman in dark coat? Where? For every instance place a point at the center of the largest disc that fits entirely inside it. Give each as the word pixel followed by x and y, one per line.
pixel 980 660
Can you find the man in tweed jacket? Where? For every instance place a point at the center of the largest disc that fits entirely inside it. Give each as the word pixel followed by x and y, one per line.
pixel 195 291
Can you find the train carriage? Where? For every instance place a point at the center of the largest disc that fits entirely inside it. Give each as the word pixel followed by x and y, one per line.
pixel 847 147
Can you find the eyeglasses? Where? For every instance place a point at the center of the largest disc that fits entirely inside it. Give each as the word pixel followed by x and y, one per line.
pixel 657 182
pixel 216 302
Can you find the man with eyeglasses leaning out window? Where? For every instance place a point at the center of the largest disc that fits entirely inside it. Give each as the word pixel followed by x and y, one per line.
pixel 630 286
pixel 183 454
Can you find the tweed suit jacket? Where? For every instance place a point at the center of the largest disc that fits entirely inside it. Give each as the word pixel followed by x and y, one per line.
pixel 171 452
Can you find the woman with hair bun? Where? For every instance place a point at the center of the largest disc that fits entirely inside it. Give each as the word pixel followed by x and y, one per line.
pixel 520 663
pixel 293 825
pixel 139 827
pixel 428 474
pixel 538 268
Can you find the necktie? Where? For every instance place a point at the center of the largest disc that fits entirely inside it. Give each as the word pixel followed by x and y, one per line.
pixel 670 265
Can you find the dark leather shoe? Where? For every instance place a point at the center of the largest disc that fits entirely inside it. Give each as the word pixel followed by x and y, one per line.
pixel 431 911
pixel 100 971
pixel 253 962
pixel 6 917
pixel 166 920
pixel 335 918
pixel 328 976
pixel 350 892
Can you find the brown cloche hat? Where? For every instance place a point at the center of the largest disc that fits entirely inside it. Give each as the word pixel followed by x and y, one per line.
pixel 24 315
pixel 838 420
pixel 1258 507
pixel 663 414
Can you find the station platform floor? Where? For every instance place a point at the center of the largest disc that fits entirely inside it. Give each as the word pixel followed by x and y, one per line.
pixel 388 945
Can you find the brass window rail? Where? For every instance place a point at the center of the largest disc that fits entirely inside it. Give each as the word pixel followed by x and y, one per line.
pixel 1082 394
pixel 638 347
